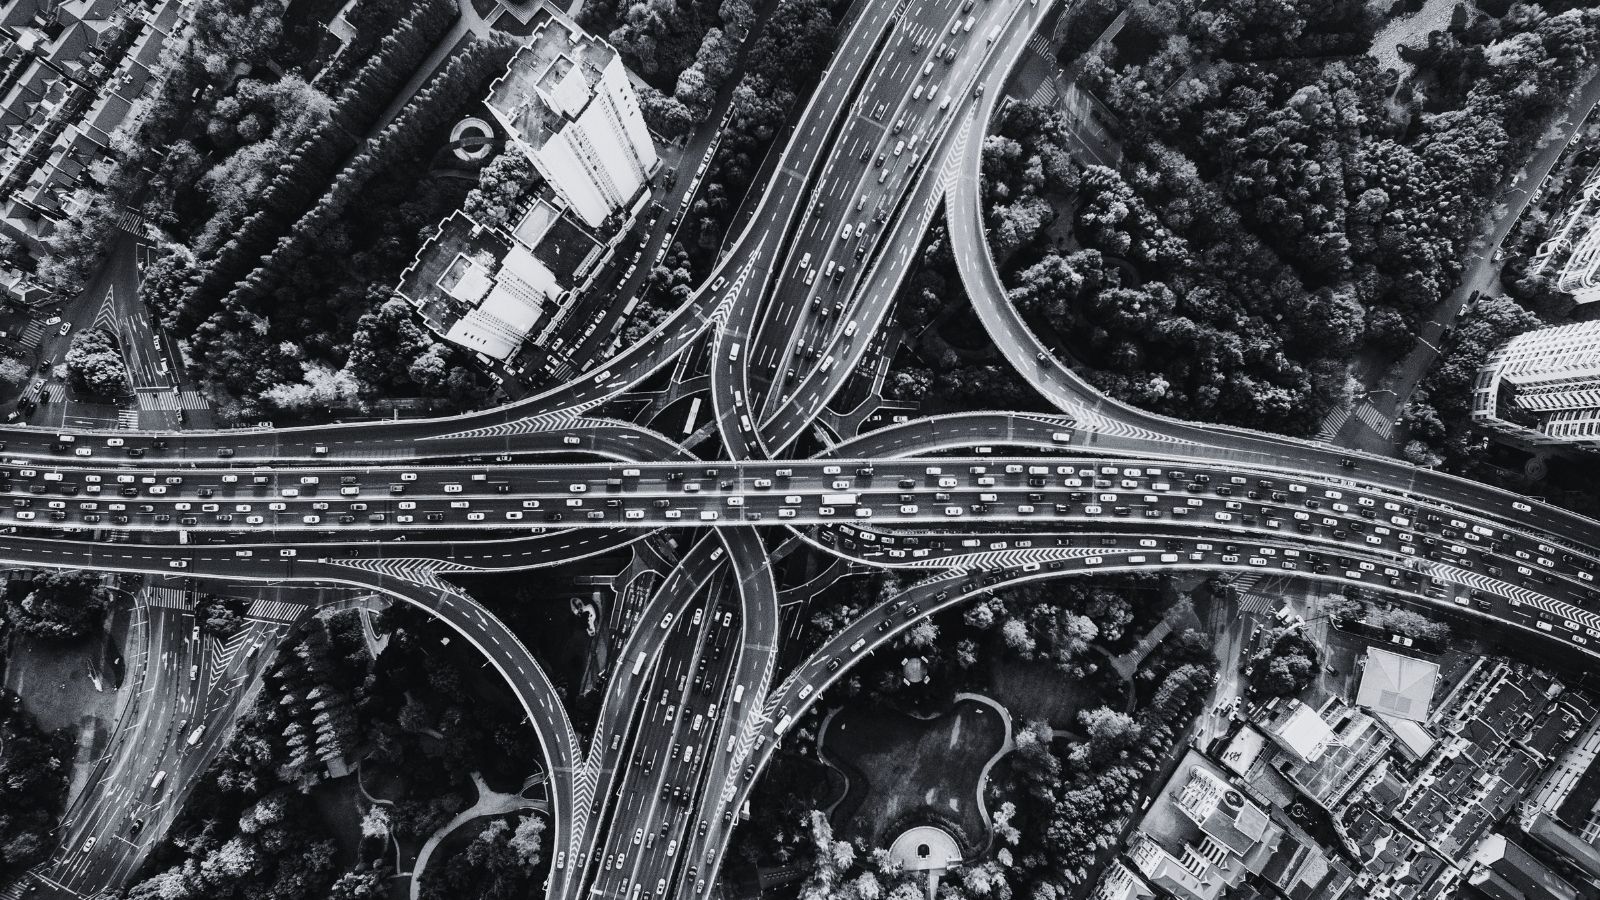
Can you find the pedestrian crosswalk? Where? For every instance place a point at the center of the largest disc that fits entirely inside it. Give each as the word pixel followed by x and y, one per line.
pixel 32 334
pixel 172 400
pixel 1041 45
pixel 275 611
pixel 1045 95
pixel 167 598
pixel 127 418
pixel 131 222
pixel 1374 419
pixel 1332 422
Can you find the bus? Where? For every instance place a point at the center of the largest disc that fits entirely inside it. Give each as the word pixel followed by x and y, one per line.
pixel 638 663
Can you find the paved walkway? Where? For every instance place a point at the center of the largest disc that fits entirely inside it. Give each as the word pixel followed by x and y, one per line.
pixel 490 803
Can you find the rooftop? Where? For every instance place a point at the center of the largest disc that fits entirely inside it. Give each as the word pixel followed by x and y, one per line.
pixel 1300 730
pixel 549 81
pixel 1397 685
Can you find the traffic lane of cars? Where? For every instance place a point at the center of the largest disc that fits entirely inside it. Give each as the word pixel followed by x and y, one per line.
pixel 1106 490
pixel 887 137
pixel 822 340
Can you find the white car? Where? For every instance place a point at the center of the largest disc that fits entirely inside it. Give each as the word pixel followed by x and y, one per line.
pixel 83 451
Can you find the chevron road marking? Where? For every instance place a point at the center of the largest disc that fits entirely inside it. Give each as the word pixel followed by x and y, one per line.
pixel 536 424
pixel 1019 557
pixel 106 316
pixel 1517 594
pixel 414 569
pixel 222 654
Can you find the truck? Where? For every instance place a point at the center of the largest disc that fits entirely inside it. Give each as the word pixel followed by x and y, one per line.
pixel 783 725
pixel 194 736
pixel 838 499
pixel 638 663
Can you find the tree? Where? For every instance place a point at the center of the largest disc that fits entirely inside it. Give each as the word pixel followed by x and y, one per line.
pixel 503 186
pixel 57 605
pixel 666 115
pixel 14 372
pixel 33 788
pixel 375 823
pixel 1109 733
pixel 94 364
pixel 527 841
pixel 1409 623
pixel 220 617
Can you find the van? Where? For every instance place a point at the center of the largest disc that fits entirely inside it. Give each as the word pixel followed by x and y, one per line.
pixel 967 25
pixel 993 33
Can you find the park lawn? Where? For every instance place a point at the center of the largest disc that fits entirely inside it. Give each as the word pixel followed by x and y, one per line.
pixel 1035 691
pixel 898 765
pixel 341 806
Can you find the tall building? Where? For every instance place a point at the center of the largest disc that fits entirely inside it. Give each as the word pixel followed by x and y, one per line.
pixel 565 100
pixel 1543 388
pixel 1573 249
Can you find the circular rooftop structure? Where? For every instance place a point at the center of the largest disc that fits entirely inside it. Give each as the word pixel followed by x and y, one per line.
pixel 926 848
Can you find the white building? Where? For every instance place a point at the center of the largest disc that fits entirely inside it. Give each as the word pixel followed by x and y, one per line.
pixel 1573 248
pixel 1543 387
pixel 566 101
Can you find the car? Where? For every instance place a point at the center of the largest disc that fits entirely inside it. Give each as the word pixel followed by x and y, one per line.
pixel 65 327
pixel 87 845
pixel 178 564
pixel 83 451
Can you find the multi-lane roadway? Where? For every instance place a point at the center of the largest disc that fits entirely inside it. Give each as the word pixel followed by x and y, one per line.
pixel 644 806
